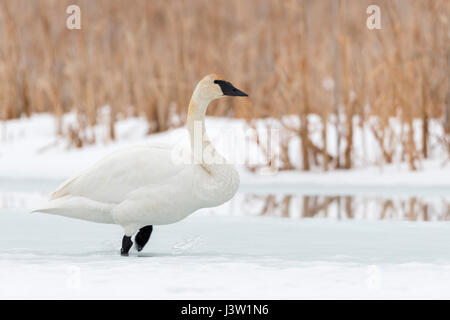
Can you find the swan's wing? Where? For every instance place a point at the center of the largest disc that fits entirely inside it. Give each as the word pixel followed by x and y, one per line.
pixel 156 205
pixel 111 179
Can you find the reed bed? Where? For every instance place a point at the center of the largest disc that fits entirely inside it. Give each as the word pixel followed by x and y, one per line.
pixel 295 59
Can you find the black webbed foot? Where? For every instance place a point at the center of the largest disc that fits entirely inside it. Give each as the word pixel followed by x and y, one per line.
pixel 142 237
pixel 126 245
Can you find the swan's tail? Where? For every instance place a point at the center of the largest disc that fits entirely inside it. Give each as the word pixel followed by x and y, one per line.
pixel 79 208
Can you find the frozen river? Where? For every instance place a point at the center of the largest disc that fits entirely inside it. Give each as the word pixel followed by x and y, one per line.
pixel 293 242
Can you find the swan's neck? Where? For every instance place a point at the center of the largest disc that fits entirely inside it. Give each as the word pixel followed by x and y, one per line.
pixel 218 181
pixel 196 123
pixel 201 147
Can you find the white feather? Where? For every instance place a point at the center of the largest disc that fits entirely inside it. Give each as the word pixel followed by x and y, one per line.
pixel 141 185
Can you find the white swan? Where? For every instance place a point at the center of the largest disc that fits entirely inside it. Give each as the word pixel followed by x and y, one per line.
pixel 142 186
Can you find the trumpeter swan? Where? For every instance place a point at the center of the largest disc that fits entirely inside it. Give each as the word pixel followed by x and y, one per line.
pixel 142 186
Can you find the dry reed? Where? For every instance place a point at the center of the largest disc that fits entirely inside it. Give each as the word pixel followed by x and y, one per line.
pixel 144 57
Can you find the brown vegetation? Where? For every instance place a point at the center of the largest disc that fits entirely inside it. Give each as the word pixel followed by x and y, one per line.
pixel 144 57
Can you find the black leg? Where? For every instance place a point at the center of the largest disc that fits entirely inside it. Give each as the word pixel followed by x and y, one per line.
pixel 142 237
pixel 126 245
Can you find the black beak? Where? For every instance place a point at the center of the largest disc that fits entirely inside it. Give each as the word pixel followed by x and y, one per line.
pixel 229 90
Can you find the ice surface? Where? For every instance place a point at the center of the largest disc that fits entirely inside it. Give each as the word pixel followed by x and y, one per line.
pixel 207 257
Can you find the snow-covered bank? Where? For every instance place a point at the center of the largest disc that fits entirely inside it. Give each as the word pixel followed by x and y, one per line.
pixel 208 257
pixel 29 149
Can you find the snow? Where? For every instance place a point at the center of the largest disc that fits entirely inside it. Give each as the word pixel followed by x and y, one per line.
pixel 29 148
pixel 209 257
pixel 224 252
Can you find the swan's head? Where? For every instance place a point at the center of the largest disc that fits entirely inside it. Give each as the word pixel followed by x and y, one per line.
pixel 213 87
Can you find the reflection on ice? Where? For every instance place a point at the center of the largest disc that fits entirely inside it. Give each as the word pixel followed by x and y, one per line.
pixel 412 208
pixel 422 205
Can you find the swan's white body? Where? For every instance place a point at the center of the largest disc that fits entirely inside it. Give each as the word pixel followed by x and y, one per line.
pixel 142 185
